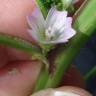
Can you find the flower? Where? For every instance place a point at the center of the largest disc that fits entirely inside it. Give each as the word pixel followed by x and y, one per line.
pixel 55 29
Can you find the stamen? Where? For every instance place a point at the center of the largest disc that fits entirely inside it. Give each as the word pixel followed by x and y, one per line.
pixel 49 33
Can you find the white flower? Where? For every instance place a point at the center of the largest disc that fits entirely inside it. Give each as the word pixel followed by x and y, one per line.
pixel 55 29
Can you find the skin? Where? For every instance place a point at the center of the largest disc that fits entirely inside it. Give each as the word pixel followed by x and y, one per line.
pixel 75 90
pixel 69 89
pixel 16 68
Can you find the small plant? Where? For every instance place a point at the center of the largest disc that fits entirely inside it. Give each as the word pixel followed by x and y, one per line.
pixel 51 25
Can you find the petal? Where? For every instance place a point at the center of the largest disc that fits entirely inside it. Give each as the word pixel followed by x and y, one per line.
pixel 67 34
pixel 32 23
pixel 33 33
pixel 37 18
pixel 38 14
pixel 68 22
pixel 55 15
pixel 51 16
pixel 51 11
pixel 67 25
pixel 60 19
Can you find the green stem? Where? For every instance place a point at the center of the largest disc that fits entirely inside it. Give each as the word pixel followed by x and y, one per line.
pixel 19 43
pixel 90 74
pixel 42 79
pixel 65 58
pixel 84 24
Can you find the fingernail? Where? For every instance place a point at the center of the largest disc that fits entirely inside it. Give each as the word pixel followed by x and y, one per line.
pixel 59 93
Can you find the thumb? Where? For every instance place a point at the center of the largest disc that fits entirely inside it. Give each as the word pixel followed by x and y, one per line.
pixel 63 91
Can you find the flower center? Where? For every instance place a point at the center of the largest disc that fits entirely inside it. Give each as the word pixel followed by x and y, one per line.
pixel 49 33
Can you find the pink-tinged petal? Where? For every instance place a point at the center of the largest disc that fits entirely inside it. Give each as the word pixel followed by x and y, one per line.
pixel 60 20
pixel 50 13
pixel 37 18
pixel 55 16
pixel 32 23
pixel 68 22
pixel 38 14
pixel 51 17
pixel 33 33
pixel 67 34
pixel 67 25
pixel 63 23
pixel 61 15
